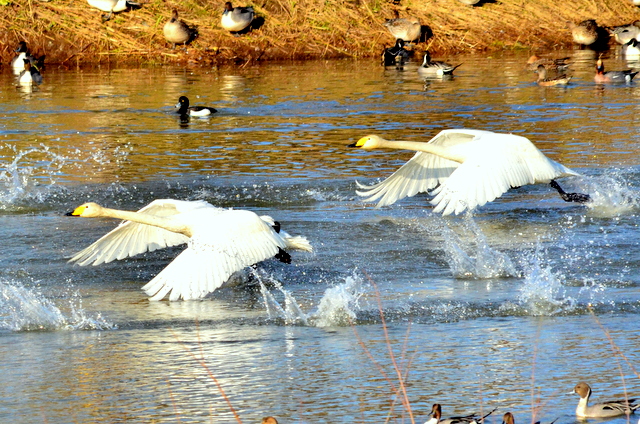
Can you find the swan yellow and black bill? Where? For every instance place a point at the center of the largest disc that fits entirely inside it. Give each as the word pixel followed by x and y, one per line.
pixel 359 143
pixel 77 211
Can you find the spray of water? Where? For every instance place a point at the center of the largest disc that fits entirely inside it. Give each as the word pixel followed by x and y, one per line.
pixel 473 257
pixel 19 181
pixel 337 307
pixel 25 309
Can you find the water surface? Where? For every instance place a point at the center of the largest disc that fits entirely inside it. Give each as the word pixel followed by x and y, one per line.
pixel 507 308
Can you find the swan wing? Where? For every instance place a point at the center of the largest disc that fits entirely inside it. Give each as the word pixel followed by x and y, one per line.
pixel 131 238
pixel 421 173
pixel 500 162
pixel 238 239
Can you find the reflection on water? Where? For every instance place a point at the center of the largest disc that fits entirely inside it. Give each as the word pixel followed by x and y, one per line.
pixel 478 309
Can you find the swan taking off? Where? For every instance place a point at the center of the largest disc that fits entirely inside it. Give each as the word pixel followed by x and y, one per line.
pixel 219 243
pixel 465 168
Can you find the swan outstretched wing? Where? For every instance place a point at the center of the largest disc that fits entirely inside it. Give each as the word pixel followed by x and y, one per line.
pixel 421 173
pixel 237 239
pixel 482 178
pixel 131 238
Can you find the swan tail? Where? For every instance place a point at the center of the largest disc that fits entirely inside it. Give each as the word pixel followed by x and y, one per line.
pixel 296 242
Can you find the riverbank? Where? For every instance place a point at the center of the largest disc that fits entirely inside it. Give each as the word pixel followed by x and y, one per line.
pixel 71 33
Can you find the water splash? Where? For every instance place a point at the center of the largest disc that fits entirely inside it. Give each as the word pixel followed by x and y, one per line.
pixel 474 258
pixel 20 182
pixel 24 309
pixel 337 307
pixel 542 292
pixel 613 194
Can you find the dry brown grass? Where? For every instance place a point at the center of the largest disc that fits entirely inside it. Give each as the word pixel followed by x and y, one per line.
pixel 71 32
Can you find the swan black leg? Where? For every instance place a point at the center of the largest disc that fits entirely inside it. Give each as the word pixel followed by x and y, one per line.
pixel 570 197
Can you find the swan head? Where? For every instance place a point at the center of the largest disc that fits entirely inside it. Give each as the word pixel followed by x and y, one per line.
pixel 87 210
pixel 368 142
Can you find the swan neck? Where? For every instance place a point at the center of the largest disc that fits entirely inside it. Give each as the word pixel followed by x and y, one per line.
pixel 418 146
pixel 147 219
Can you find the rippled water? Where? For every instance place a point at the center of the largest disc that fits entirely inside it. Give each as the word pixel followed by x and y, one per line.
pixel 507 308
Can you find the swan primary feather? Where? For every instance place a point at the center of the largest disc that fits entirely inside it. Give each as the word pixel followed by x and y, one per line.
pixel 219 243
pixel 464 168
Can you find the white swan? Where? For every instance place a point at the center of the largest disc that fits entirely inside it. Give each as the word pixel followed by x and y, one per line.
pixel 465 168
pixel 220 242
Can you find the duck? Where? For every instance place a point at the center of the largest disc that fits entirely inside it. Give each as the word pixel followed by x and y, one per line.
pixel 436 414
pixel 176 31
pixel 470 2
pixel 559 64
pixel 17 63
pixel 112 6
pixel 219 243
pixel 236 19
pixel 407 29
pixel 185 109
pixel 631 49
pixel 625 33
pixel 29 75
pixel 269 420
pixel 585 33
pixel 601 410
pixel 435 69
pixel 545 81
pixel 508 418
pixel 465 168
pixel 396 55
pixel 615 77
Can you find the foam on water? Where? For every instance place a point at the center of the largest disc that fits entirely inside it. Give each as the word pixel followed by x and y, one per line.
pixel 25 309
pixel 473 257
pixel 337 307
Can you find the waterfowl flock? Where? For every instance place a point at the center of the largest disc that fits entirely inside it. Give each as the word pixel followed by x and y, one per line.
pixel 462 169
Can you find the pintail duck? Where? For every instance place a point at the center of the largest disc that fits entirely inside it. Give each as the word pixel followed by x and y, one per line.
pixel 185 109
pixel 435 69
pixel 602 77
pixel 544 81
pixel 236 19
pixel 508 418
pixel 624 33
pixel 559 64
pixel 436 417
pixel 113 6
pixel 29 75
pixel 406 29
pixel 395 55
pixel 586 32
pixel 601 410
pixel 176 31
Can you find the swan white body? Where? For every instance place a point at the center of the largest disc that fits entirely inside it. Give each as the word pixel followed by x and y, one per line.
pixel 219 243
pixel 601 410
pixel 464 168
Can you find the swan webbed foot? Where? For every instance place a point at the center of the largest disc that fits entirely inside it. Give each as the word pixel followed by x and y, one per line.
pixel 570 197
pixel 283 256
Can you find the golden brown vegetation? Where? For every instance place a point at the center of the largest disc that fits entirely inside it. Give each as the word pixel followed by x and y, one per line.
pixel 71 32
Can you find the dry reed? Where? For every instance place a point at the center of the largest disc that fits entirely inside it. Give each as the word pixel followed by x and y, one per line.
pixel 71 33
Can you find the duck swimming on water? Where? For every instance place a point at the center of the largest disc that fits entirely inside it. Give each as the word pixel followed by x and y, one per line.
pixel 185 109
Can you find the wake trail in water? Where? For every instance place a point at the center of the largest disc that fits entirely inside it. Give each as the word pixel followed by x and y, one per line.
pixel 24 309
